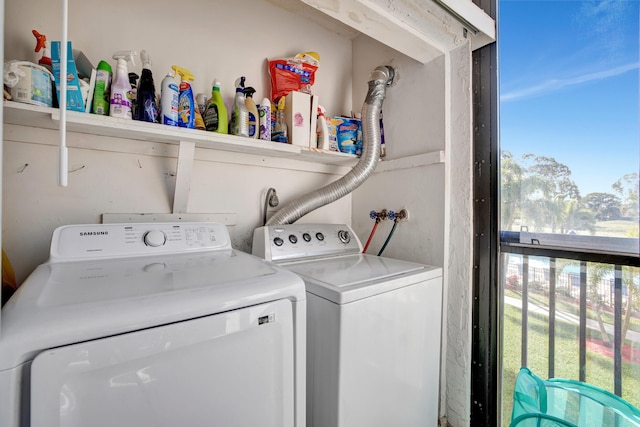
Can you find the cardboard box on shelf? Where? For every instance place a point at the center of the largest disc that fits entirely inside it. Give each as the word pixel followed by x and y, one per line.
pixel 75 100
pixel 297 112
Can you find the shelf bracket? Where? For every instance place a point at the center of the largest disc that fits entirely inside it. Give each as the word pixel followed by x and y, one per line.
pixel 186 154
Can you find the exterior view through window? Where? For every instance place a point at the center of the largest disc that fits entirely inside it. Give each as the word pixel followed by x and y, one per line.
pixel 569 193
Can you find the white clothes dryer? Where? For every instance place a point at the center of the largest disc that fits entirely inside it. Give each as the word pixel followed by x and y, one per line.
pixel 153 325
pixel 373 328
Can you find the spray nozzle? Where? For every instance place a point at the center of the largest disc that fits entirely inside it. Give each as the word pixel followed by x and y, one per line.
pixel 240 84
pixel 125 55
pixel 249 91
pixel 146 59
pixel 321 111
pixel 41 43
pixel 185 75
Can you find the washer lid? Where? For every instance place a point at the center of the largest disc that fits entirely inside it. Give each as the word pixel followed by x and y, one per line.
pixel 348 278
pixel 69 302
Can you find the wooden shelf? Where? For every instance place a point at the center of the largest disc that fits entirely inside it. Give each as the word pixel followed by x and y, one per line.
pixel 16 113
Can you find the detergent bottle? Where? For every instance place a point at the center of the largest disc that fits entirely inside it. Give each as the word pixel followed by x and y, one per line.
pixel 215 115
pixel 254 124
pixel 120 100
pixel 102 87
pixel 169 101
pixel 147 109
pixel 240 114
pixel 186 101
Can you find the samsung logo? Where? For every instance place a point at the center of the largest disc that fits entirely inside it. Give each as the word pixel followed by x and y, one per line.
pixel 93 233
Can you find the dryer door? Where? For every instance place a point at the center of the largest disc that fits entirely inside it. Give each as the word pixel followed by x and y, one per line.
pixel 229 369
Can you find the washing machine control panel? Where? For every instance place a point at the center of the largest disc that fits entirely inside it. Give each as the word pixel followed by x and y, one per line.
pixel 95 241
pixel 298 241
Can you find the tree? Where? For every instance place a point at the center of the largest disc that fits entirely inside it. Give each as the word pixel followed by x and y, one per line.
pixel 511 175
pixel 627 187
pixel 605 206
pixel 577 217
pixel 596 272
pixel 550 190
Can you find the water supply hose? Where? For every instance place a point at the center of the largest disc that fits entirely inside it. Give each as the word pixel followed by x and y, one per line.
pixel 376 216
pixel 381 78
pixel 386 242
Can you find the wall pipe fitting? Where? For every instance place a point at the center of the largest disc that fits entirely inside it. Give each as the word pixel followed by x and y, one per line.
pixel 381 78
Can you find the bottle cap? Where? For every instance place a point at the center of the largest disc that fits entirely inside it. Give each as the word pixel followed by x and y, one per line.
pixel 104 66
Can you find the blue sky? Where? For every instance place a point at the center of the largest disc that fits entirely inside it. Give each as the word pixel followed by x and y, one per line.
pixel 569 85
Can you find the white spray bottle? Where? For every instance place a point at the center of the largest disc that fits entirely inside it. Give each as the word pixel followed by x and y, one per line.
pixel 240 114
pixel 120 100
pixel 169 100
pixel 322 130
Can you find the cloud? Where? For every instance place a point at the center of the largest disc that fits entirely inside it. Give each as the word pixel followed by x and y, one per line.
pixel 558 84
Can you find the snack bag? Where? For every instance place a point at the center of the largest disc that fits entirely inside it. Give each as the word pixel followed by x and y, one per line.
pixel 293 74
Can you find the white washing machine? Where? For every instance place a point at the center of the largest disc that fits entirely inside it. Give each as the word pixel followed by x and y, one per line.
pixel 153 325
pixel 373 328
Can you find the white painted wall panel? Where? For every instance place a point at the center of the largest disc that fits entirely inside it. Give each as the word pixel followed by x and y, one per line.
pixel 108 182
pixel 413 108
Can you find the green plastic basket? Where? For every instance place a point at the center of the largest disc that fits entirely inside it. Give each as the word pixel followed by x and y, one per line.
pixel 567 403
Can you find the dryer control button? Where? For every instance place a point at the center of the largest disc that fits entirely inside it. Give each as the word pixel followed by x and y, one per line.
pixel 320 236
pixel 293 239
pixel 344 236
pixel 278 241
pixel 154 238
pixel 306 237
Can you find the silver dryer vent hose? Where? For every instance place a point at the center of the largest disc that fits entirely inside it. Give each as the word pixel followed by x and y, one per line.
pixel 381 78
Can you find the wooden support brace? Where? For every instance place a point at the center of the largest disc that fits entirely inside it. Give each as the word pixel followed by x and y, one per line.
pixel 183 176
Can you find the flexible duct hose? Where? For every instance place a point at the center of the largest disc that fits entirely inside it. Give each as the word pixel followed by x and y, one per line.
pixel 381 78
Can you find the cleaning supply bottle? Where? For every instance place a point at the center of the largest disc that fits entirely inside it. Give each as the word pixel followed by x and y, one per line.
pixel 101 91
pixel 147 109
pixel 264 112
pixel 169 101
pixel 133 81
pixel 186 101
pixel 254 129
pixel 240 114
pixel 215 116
pixel 322 130
pixel 120 99
pixel 280 131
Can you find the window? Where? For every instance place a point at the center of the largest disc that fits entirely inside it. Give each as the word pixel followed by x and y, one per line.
pixel 569 192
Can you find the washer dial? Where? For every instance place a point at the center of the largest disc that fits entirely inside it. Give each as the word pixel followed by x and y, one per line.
pixel 154 238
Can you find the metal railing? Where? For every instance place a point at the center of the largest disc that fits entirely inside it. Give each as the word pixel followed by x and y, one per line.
pixel 598 293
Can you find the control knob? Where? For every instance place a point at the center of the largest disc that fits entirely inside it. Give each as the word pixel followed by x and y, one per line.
pixel 154 238
pixel 344 236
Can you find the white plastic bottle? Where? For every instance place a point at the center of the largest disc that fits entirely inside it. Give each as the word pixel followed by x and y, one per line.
pixel 240 114
pixel 322 130
pixel 120 100
pixel 169 101
pixel 264 112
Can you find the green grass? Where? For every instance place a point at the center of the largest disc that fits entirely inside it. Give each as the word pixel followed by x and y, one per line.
pixel 617 228
pixel 599 368
pixel 570 306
